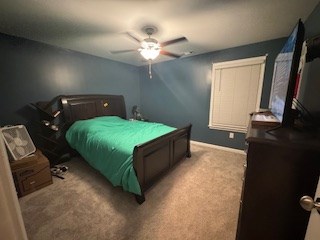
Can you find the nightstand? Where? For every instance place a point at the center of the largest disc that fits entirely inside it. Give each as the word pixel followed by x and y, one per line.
pixel 51 129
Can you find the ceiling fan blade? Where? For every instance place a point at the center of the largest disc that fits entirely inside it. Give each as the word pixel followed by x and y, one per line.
pixel 170 54
pixel 134 37
pixel 123 51
pixel 173 41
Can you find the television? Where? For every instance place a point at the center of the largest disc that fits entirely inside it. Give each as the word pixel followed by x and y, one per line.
pixel 285 76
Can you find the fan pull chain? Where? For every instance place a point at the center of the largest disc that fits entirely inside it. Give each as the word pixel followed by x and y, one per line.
pixel 150 73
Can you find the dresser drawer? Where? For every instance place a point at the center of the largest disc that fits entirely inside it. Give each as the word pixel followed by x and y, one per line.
pixel 38 180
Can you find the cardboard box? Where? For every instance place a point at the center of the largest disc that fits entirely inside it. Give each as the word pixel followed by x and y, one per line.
pixel 31 173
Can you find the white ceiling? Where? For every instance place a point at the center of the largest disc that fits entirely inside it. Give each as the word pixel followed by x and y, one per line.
pixel 97 26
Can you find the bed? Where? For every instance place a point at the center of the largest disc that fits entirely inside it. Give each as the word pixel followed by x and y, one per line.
pixel 151 158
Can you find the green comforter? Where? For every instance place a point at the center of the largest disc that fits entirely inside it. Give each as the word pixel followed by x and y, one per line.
pixel 107 144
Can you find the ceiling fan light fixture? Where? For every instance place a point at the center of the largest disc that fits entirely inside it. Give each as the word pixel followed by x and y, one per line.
pixel 150 49
pixel 150 54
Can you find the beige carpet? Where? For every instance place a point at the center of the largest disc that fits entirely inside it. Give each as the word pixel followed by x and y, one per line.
pixel 199 199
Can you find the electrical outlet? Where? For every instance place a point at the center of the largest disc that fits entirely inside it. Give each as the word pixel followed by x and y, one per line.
pixel 231 135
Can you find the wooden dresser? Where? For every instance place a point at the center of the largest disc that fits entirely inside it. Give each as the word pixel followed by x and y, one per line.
pixel 282 166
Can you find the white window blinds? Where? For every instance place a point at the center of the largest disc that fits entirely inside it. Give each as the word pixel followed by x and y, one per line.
pixel 235 92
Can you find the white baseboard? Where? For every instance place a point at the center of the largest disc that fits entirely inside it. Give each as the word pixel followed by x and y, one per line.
pixel 218 147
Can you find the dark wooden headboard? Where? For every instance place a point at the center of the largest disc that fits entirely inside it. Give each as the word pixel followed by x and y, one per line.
pixel 80 107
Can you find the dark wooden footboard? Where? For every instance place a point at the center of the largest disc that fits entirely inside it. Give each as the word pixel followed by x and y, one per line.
pixel 153 159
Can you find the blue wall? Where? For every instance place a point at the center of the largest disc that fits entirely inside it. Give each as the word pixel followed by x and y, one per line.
pixel 179 91
pixel 31 71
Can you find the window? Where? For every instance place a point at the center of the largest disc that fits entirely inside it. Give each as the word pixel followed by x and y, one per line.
pixel 235 93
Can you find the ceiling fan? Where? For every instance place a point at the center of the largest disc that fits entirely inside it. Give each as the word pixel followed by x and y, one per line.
pixel 150 48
